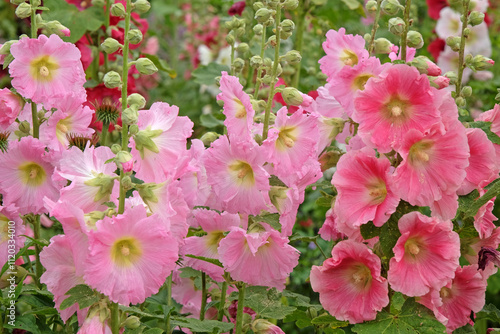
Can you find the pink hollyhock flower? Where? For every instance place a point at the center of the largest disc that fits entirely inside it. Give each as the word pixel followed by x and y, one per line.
pixel 26 171
pixel 425 256
pixel 11 231
pixel 237 107
pixel 10 106
pixel 394 55
pixel 440 82
pixel 92 180
pixel 399 100
pixel 329 229
pixel 215 225
pixel 433 164
pixel 235 172
pixel 349 283
pixel 474 254
pixel 483 220
pixel 291 141
pixel 365 189
pixel 258 258
pixel 341 50
pixel 46 69
pixel 161 141
pixel 261 326
pixel 94 325
pixel 130 256
pixel 453 303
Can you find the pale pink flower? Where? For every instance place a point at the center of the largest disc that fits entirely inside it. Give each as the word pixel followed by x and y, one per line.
pixel 365 189
pixel 235 172
pixel 349 283
pixel 10 225
pixel 94 325
pixel 237 108
pixel 453 303
pixel 425 256
pixel 341 50
pixel 258 258
pixel 130 256
pixel 10 106
pixel 161 142
pixel 26 170
pixel 262 326
pixel 390 105
pixel 410 53
pixel 46 69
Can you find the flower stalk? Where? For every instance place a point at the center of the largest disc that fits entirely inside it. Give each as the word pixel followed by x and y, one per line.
pixel 371 45
pixel 241 305
pixel 461 52
pixel 404 35
pixel 34 110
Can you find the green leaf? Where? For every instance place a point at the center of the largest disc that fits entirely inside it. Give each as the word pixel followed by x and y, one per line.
pixel 413 318
pixel 333 331
pixel 205 326
pixel 205 75
pixel 81 294
pixel 154 331
pixel 206 259
pixel 300 317
pixel 330 321
pixel 138 311
pixel 267 303
pixel 26 322
pixel 273 219
pixel 490 312
pixel 467 329
pixel 397 302
pixel 486 127
pixel 209 121
pixel 161 65
pixel 325 201
pixel 300 300
pixel 369 230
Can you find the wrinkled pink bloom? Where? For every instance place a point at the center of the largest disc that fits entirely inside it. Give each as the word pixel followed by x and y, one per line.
pixel 10 106
pixel 349 283
pixel 329 229
pixel 425 256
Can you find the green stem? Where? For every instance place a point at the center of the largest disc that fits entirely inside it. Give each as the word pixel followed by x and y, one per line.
pixel 115 318
pixel 241 305
pixel 404 35
pixel 232 59
pixel 125 139
pixel 220 314
pixel 320 249
pixel 490 194
pixel 259 71
pixel 38 249
pixel 371 45
pixel 104 134
pixel 107 23
pixel 270 97
pixel 299 39
pixel 34 111
pixel 169 302
pixel 203 295
pixel 461 52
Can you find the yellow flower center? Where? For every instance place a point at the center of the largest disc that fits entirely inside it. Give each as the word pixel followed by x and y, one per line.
pixel 348 57
pixel 360 81
pixel 286 138
pixel 420 152
pixel 4 228
pixel 32 174
pixel 445 292
pixel 43 68
pixel 242 173
pixel 397 111
pixel 62 128
pixel 413 247
pixel 213 238
pixel 241 112
pixel 361 276
pixel 126 251
pixel 377 191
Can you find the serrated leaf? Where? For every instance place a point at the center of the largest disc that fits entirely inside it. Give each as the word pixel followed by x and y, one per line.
pixel 397 302
pixel 205 75
pixel 138 311
pixel 300 300
pixel 328 320
pixel 301 318
pixel 205 326
pixel 273 219
pixel 267 303
pixel 81 294
pixel 490 312
pixel 26 322
pixel 369 230
pixel 209 121
pixel 161 65
pixel 467 329
pixel 206 259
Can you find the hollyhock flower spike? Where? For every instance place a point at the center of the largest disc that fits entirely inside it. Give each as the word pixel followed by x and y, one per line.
pixel 130 256
pixel 43 69
pixel 349 283
pixel 425 256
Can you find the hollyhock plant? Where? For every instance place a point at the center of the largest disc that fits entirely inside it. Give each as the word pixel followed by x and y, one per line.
pixel 349 283
pixel 26 170
pixel 46 69
pixel 425 256
pixel 365 189
pixel 258 258
pixel 130 256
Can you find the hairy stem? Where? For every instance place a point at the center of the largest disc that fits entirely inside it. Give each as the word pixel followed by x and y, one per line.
pixel 203 295
pixel 299 39
pixel 371 45
pixel 34 111
pixel 404 35
pixel 241 305
pixel 115 318
pixel 259 71
pixel 461 52
pixel 220 314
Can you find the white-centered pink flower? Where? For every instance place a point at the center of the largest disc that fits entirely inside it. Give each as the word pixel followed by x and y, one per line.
pixel 349 283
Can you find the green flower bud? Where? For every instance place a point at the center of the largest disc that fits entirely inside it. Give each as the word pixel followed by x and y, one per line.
pixel 272 40
pixel 132 322
pixel 452 76
pixel 258 5
pixel 390 7
pixel 256 61
pixel 476 18
pixel 98 3
pixel 112 80
pixel 230 39
pixel 414 39
pixel 267 79
pixel 371 6
pixel 460 102
pixel 396 26
pixel 273 3
pixel 293 57
pixel 130 116
pixel 17 2
pixel 466 32
pixel 135 36
pixel 115 148
pixel 142 6
pixel 117 9
pixel 145 66
pixel 262 15
pixel 126 183
pixel 287 26
pixel 55 27
pixel 133 129
pixel 467 91
pixel 25 127
pixel 367 37
pixel 258 105
pixel 382 45
pixel 239 32
pixel 454 43
pixel 291 4
pixel 136 100
pixel 125 161
pixel 238 64
pixel 23 10
pixel 110 45
pixel 36 3
pixel 208 138
pixel 258 29
pixel 242 48
pixel 5 49
pixel 292 96
pixel 238 23
pixel 268 62
pixel 479 63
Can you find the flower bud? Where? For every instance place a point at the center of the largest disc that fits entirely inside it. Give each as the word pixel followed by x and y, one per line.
pixel 230 39
pixel 117 9
pixel 382 45
pixel 256 61
pixel 414 39
pixel 425 66
pixel 142 6
pixel 136 100
pixel 390 7
pixel 98 3
pixel 36 3
pixel 272 40
pixel 130 116
pixel 126 182
pixel 132 322
pixel 242 48
pixel 262 15
pixel 367 37
pixel 208 138
pixel 145 66
pixel 452 76
pixel 291 4
pixel 115 148
pixel 293 57
pixel 125 161
pixel 397 26
pixel 258 5
pixel 285 35
pixel 292 96
pixel 476 18
pixel 453 42
pixel 261 326
pixel 287 26
pixel 371 6
pixel 23 10
pixel 460 101
pixel 466 91
pixel 329 159
pixel 240 31
pixel 439 82
pixel 135 36
pixel 258 29
pixel 238 64
pixel 17 2
pixel 480 63
pixel 55 27
pixel 112 80
pixel 466 32
pixel 110 45
pixel 25 127
pixel 133 129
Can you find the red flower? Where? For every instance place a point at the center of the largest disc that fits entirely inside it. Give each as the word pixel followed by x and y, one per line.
pixel 237 8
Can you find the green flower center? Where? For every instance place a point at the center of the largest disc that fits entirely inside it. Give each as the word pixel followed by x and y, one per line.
pixel 242 172
pixel 360 81
pixel 43 68
pixel 286 138
pixel 32 174
pixel 377 191
pixel 126 251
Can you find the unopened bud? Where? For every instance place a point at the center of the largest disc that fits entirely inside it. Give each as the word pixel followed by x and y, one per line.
pixel 132 322
pixel 142 6
pixel 230 39
pixel 115 148
pixel 242 48
pixel 292 96
pixel 135 36
pixel 439 82
pixel 291 4
pixel 133 129
pixel 110 45
pixel 5 49
pixel 480 63
pixel 238 64
pixel 382 45
pixel 262 15
pixel 258 29
pixel 272 40
pixel 136 100
pixel 390 7
pixel 476 18
pixel 17 2
pixel 367 37
pixel 293 57
pixel 130 116
pixel 414 39
pixel 287 26
pixel 258 5
pixel 460 101
pixel 23 10
pixel 117 9
pixel 453 42
pixel 208 138
pixel 145 66
pixel 466 32
pixel 371 6
pixel 240 31
pixel 425 66
pixel 112 79
pixel 25 127
pixel 452 76
pixel 329 159
pixel 125 161
pixel 467 91
pixel 256 61
pixel 397 26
